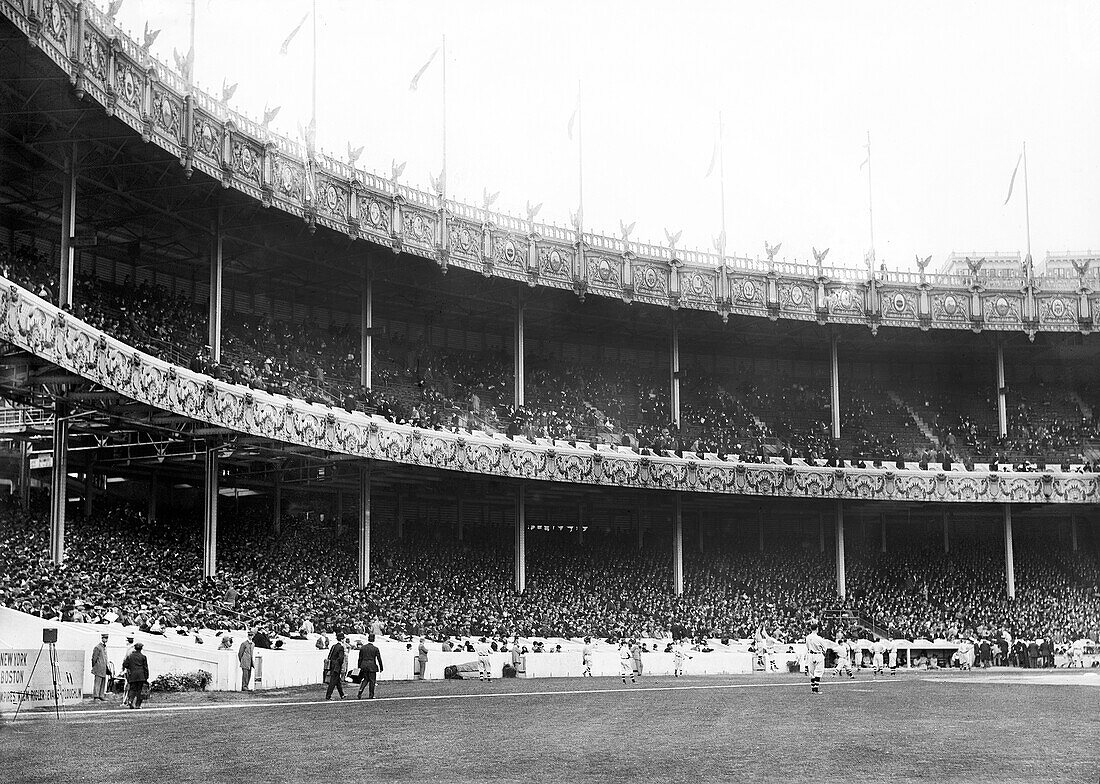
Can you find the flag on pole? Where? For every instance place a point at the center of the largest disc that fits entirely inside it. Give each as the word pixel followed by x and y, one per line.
pixel 713 159
pixel 866 160
pixel 423 68
pixel 1012 182
pixel 294 32
pixel 572 121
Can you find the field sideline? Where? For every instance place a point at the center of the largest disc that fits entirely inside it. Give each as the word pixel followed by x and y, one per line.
pixel 980 726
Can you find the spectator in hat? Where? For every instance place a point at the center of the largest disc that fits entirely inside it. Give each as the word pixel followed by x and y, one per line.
pixel 370 664
pixel 244 656
pixel 100 669
pixel 136 669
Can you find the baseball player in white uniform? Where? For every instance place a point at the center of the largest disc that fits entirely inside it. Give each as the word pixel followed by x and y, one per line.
pixel 484 667
pixel 843 663
pixel 586 658
pixel 626 662
pixel 816 645
pixel 877 651
pixel 679 655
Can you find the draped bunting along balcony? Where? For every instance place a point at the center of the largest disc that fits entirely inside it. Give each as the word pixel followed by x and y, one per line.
pixel 42 329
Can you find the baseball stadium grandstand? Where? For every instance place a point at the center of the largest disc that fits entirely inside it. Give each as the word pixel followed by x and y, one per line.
pixel 247 387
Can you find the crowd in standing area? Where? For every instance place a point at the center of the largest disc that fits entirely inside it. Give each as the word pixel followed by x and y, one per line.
pixel 120 568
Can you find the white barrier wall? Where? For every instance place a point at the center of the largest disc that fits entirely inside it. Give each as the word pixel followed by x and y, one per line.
pixel 165 655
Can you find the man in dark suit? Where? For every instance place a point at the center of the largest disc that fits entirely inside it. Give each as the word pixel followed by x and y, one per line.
pixel 136 667
pixel 245 657
pixel 337 659
pixel 370 664
pixel 100 669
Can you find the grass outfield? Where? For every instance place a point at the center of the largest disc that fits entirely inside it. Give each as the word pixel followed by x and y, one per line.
pixel 941 727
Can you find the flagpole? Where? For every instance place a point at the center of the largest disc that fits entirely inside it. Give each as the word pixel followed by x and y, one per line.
pixel 870 205
pixel 191 72
pixel 722 185
pixel 314 108
pixel 443 176
pixel 580 162
pixel 1027 205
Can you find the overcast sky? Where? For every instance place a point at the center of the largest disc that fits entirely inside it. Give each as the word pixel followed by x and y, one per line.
pixel 948 91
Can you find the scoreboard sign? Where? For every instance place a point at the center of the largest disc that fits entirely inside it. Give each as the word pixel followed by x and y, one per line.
pixel 36 689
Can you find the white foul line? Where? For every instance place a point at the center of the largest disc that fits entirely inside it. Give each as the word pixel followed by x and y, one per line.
pixel 409 697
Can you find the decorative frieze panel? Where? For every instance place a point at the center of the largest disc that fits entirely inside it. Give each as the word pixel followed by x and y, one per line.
pixel 57 24
pixel 332 198
pixel 418 228
pixel 128 84
pixel 167 113
pixel 1002 309
pixel 651 279
pixel 375 216
pixel 604 272
pixel 697 286
pixel 846 300
pixel 796 298
pixel 950 308
pixel 748 292
pixel 509 251
pixel 899 306
pixel 206 135
pixel 464 240
pixel 555 262
pixel 96 60
pixel 288 179
pixel 1058 309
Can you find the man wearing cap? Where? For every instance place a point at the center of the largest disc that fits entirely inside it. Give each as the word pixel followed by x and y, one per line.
pixel 336 663
pixel 136 668
pixel 99 669
pixel 816 645
pixel 370 664
pixel 586 658
pixel 244 656
pixel 422 658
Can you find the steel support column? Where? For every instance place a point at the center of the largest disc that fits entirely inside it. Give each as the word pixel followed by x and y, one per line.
pixel 89 492
pixel 821 532
pixel 68 229
pixel 834 386
pixel 1002 413
pixel 841 579
pixel 946 531
pixel 1010 561
pixel 520 373
pixel 58 481
pixel 459 509
pixel 400 515
pixel 1073 531
pixel 277 503
pixel 151 507
pixel 214 320
pixel 521 539
pixel 364 525
pixel 674 372
pixel 760 529
pixel 678 546
pixel 366 323
pixel 882 532
pixel 210 514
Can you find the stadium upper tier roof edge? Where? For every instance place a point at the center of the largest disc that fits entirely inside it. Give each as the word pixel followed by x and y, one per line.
pixel 105 65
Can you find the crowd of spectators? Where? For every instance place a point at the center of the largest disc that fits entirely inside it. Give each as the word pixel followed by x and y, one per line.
pixel 121 566
pixel 753 416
